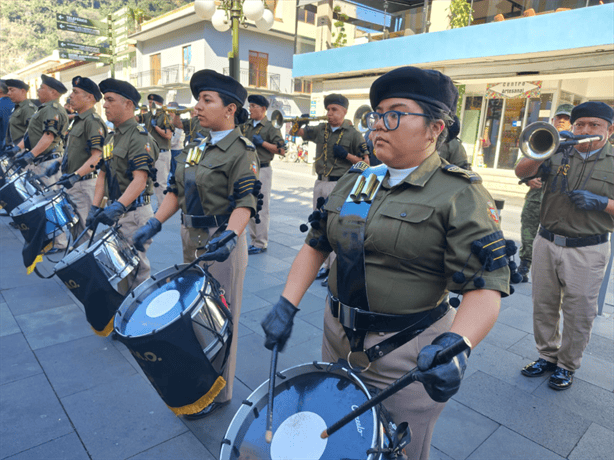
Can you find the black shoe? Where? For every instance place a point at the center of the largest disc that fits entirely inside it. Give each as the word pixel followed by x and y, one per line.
pixel 210 409
pixel 323 273
pixel 325 282
pixel 561 379
pixel 538 368
pixel 523 270
pixel 254 250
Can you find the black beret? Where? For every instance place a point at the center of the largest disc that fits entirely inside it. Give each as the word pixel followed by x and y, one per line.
pixel 593 109
pixel 123 88
pixel 454 128
pixel 88 86
pixel 338 99
pixel 155 97
pixel 429 86
pixel 258 100
pixel 17 84
pixel 54 84
pixel 210 80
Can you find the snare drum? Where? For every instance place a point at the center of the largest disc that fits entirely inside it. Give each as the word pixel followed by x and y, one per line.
pixel 308 398
pixel 100 276
pixel 18 189
pixel 178 327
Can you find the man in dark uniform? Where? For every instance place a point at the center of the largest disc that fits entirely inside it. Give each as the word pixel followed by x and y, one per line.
pixel 191 127
pixel 268 141
pixel 6 108
pixel 24 109
pixel 158 123
pixel 86 137
pixel 338 146
pixel 571 251
pixel 43 138
pixel 126 175
pixel 452 150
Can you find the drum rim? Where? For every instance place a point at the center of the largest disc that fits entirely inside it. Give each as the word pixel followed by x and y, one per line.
pixel 53 193
pixel 142 288
pixel 294 371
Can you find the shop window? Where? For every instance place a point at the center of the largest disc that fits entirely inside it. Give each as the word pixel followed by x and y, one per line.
pixel 187 62
pixel 471 122
pixel 258 64
pixel 155 65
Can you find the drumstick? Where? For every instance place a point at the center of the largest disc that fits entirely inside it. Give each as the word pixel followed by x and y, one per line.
pixel 442 357
pixel 269 421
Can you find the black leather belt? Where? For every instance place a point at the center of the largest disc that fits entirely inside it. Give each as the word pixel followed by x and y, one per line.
pixel 92 175
pixel 328 178
pixel 203 221
pixel 560 240
pixel 265 165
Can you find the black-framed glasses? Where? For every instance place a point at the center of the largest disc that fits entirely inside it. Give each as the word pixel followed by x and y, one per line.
pixel 392 118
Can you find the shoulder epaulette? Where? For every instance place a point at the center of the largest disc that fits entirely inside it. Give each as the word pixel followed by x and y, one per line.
pixel 249 144
pixel 32 104
pixel 359 167
pixel 55 105
pixel 141 129
pixel 471 176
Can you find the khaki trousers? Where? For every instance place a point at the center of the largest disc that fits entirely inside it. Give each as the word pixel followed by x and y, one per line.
pixel 412 404
pixel 130 223
pixel 323 189
pixel 259 233
pixel 567 280
pixel 82 196
pixel 163 165
pixel 230 274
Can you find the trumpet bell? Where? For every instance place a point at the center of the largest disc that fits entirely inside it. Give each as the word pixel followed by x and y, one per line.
pixel 539 141
pixel 360 118
pixel 277 119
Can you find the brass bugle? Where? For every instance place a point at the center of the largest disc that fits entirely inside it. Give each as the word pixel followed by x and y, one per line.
pixel 176 110
pixel 278 119
pixel 540 140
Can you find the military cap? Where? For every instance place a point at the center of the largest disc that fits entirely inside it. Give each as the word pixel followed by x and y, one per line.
pixel 210 80
pixel 17 84
pixel 258 100
pixel 564 109
pixel 338 99
pixel 88 86
pixel 429 86
pixel 454 128
pixel 593 109
pixel 156 98
pixel 123 88
pixel 54 84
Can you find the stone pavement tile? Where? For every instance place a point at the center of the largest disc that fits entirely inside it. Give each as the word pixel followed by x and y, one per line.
pixel 523 413
pixel 525 347
pixel 504 444
pixel 268 263
pixel 517 319
pixel 30 414
pixel 129 358
pixel 29 299
pixel 315 318
pixel 253 302
pixel 256 280
pixel 596 444
pixel 436 454
pixel 280 248
pixel 271 294
pixel 519 301
pixel 82 364
pixel 310 304
pixel 599 347
pixel 597 371
pixel 18 361
pixel 184 447
pixel 121 418
pixel 8 325
pixel 604 327
pixel 456 423
pixel 305 352
pixel 53 326
pixel 67 447
pixel 252 319
pixel 504 336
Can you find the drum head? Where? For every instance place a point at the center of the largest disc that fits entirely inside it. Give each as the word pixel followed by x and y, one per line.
pixel 307 400
pixel 36 202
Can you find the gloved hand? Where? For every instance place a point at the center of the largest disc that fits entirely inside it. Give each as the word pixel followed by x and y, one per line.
pixel 25 159
pixel 219 250
pixel 147 231
pixel 443 381
pixel 52 169
pixel 277 324
pixel 584 199
pixel 94 211
pixel 340 152
pixel 111 214
pixel 299 123
pixel 153 122
pixel 11 151
pixel 257 140
pixel 68 180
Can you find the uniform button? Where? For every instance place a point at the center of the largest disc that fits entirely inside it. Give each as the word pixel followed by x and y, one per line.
pixel 403 214
pixel 339 208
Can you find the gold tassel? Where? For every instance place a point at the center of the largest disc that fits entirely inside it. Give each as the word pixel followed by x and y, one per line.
pixel 106 331
pixel 39 258
pixel 204 401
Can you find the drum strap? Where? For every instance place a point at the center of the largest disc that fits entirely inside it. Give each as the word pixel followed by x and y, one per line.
pixel 192 198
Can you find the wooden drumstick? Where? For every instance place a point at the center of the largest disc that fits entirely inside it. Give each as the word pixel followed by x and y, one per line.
pixel 269 420
pixel 444 356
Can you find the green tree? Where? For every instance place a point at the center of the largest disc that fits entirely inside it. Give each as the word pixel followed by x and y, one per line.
pixel 340 36
pixel 460 13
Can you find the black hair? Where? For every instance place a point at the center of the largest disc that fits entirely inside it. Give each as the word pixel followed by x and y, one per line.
pixel 241 115
pixel 3 88
pixel 433 114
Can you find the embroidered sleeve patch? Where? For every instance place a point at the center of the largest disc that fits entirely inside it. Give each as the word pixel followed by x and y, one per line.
pixel 244 187
pixel 491 251
pixel 492 211
pixel 359 167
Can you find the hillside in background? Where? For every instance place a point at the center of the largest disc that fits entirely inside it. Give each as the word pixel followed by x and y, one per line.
pixel 28 30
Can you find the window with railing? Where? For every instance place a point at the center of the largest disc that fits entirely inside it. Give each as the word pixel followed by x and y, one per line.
pixel 258 64
pixel 155 64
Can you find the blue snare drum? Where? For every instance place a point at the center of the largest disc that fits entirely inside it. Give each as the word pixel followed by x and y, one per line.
pixel 18 189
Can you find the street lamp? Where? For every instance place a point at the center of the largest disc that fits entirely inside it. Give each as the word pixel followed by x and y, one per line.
pixel 232 13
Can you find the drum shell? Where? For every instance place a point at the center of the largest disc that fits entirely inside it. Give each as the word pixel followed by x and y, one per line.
pixel 18 189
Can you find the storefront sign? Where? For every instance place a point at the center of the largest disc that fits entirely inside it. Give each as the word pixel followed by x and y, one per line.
pixel 513 90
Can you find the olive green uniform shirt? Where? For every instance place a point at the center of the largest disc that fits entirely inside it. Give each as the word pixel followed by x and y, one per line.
pixel 268 132
pixel 132 149
pixel 18 123
pixel 558 213
pixel 326 163
pixel 163 121
pixel 454 153
pixel 192 127
pixel 87 131
pixel 418 234
pixel 52 118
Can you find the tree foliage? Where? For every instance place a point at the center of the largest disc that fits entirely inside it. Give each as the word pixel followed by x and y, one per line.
pixel 340 36
pixel 460 13
pixel 29 31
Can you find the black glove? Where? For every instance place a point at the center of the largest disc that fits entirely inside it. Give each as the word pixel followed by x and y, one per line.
pixel 11 151
pixel 94 211
pixel 25 159
pixel 219 248
pixel 52 169
pixel 443 381
pixel 257 140
pixel 584 199
pixel 277 324
pixel 153 122
pixel 111 214
pixel 340 152
pixel 147 231
pixel 68 180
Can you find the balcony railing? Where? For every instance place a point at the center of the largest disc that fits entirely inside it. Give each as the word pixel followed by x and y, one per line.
pixel 165 76
pixel 258 79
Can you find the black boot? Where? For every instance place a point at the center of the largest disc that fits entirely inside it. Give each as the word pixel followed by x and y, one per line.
pixel 523 269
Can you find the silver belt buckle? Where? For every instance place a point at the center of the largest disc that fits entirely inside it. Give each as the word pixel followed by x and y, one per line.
pixel 187 220
pixel 560 240
pixel 347 316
